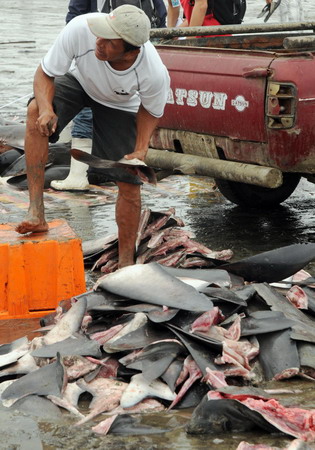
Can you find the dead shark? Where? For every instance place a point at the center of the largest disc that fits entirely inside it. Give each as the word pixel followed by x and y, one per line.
pixel 150 283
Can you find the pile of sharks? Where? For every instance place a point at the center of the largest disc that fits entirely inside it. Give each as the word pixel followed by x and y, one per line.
pixel 184 328
pixel 160 238
pixel 152 338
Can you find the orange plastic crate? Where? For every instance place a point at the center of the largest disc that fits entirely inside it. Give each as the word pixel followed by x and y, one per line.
pixel 39 270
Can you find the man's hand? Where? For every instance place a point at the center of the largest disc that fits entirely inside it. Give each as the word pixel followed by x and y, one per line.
pixel 44 90
pixel 140 154
pixel 47 123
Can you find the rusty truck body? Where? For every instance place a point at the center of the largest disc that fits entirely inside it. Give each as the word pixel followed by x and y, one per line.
pixel 244 104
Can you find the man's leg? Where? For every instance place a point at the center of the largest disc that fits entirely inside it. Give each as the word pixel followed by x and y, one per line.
pixel 36 152
pixel 114 135
pixel 128 211
pixel 69 99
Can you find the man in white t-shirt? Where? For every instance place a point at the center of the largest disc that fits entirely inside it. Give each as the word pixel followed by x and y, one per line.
pixel 120 76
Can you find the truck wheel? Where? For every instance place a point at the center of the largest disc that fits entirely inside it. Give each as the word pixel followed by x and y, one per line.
pixel 255 196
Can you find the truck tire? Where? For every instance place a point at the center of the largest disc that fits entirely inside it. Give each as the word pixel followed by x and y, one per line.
pixel 256 196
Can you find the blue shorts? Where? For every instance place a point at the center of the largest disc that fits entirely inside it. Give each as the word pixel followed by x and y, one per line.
pixel 82 124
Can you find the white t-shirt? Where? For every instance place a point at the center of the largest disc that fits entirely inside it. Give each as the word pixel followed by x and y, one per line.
pixel 146 81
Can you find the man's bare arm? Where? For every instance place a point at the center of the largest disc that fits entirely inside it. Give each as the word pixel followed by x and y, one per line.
pixel 172 14
pixel 44 90
pixel 146 124
pixel 198 13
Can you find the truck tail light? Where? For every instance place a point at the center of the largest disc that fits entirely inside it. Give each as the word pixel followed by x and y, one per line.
pixel 280 105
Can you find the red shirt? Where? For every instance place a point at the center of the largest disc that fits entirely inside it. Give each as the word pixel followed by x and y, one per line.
pixel 209 19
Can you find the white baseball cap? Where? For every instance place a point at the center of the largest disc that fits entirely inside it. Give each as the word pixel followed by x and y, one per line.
pixel 126 22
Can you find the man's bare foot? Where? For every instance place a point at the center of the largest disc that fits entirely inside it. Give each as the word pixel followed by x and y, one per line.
pixel 31 226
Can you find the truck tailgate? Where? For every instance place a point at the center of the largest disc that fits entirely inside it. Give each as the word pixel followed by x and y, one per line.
pixel 294 147
pixel 216 92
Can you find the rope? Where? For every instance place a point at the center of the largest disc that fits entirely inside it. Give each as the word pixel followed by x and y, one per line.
pixel 15 101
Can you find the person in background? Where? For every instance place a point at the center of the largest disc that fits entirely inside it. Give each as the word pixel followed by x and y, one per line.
pixel 119 74
pixel 195 13
pixel 290 10
pixel 78 7
pixel 161 11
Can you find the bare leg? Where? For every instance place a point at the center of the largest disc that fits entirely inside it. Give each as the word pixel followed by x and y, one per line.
pixel 36 152
pixel 128 210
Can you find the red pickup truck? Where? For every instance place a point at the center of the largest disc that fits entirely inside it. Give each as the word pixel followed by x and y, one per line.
pixel 244 104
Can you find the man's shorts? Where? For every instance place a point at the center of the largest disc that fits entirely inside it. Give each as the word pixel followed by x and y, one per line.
pixel 114 130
